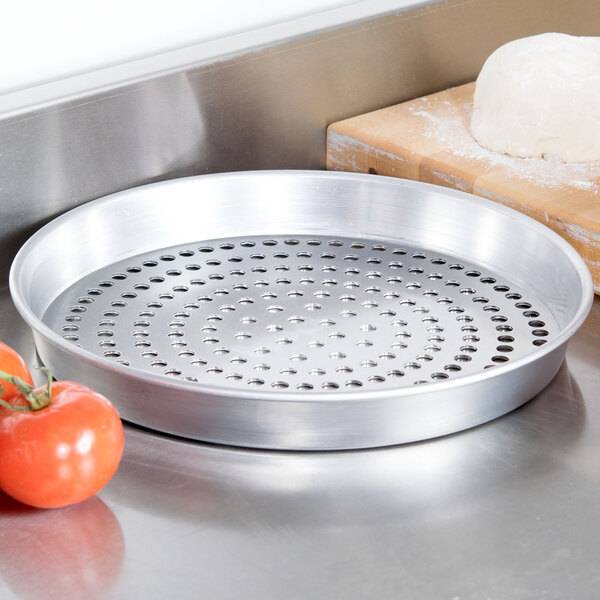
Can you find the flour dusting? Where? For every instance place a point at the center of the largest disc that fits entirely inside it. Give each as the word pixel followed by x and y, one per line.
pixel 453 130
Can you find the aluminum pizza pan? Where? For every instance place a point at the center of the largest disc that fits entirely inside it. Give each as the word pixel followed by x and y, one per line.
pixel 302 310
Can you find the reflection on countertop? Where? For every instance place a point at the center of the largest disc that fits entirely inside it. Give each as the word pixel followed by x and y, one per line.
pixel 73 552
pixel 509 509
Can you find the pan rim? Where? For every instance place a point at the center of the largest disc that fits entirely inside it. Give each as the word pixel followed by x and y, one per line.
pixel 289 396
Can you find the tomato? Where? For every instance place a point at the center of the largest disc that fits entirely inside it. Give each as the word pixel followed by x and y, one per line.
pixel 60 453
pixel 13 364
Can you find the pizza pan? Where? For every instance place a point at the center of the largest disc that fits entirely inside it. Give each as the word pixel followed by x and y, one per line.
pixel 302 310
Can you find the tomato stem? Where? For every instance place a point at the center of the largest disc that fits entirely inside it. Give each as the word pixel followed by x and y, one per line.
pixel 37 400
pixel 11 407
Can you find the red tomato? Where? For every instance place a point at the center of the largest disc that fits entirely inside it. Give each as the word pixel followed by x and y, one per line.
pixel 12 363
pixel 63 453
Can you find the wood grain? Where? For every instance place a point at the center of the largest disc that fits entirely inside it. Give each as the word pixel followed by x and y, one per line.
pixel 428 139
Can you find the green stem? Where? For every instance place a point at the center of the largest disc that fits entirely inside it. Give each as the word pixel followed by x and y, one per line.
pixel 14 380
pixel 11 407
pixel 36 400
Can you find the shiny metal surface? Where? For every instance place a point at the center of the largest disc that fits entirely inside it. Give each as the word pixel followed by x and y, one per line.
pixel 506 510
pixel 509 509
pixel 301 313
pixel 262 105
pixel 90 284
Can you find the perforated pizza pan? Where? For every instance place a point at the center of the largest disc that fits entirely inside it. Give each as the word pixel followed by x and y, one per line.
pixel 302 310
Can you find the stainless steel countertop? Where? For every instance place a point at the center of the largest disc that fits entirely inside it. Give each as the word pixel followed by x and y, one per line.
pixel 510 509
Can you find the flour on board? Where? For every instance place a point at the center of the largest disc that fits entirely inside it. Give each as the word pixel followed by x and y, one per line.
pixel 453 130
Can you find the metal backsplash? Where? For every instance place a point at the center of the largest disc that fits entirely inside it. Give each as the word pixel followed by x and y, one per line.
pixel 267 108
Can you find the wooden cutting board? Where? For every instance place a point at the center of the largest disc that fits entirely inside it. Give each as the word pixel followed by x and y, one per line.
pixel 428 139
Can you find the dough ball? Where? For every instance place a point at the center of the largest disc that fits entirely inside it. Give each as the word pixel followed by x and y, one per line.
pixel 539 96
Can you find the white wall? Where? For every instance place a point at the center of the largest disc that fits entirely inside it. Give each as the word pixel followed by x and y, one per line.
pixel 45 41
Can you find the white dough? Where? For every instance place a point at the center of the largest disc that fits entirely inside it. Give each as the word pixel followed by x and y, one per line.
pixel 539 96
